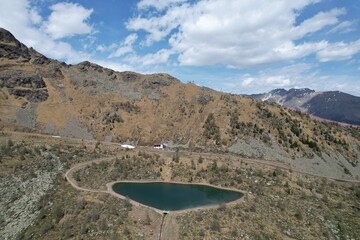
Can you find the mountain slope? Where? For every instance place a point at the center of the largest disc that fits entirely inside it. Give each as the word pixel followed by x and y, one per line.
pixel 282 200
pixel 92 102
pixel 334 105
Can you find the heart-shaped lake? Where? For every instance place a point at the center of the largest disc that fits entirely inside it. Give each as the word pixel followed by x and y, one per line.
pixel 175 196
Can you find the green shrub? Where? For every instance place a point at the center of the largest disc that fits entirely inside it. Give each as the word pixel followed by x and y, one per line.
pixel 202 232
pixel 46 227
pixel 58 213
pixel 299 215
pixel 215 225
pixel 103 226
pixel 234 232
pixel 211 130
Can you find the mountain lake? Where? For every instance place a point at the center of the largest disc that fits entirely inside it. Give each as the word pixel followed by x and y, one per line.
pixel 175 196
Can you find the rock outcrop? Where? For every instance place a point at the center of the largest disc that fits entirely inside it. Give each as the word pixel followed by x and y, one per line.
pixel 29 85
pixel 11 48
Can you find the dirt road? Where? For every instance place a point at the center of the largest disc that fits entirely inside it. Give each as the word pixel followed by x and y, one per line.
pixel 211 156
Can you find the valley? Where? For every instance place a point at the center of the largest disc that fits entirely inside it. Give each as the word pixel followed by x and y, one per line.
pixel 264 184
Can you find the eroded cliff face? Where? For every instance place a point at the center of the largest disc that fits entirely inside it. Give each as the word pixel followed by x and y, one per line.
pixel 26 84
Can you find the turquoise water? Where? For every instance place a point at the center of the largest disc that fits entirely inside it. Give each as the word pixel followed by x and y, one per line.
pixel 173 196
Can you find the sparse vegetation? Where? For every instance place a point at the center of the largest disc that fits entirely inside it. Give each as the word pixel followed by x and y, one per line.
pixel 211 130
pixel 101 215
pixel 112 117
pixel 87 101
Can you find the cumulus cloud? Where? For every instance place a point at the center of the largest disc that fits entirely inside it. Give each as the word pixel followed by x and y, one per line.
pixel 285 77
pixel 273 81
pixel 236 34
pixel 67 19
pixel 339 51
pixel 23 20
pixel 162 56
pixel 16 15
pixel 158 27
pixel 125 47
pixel 300 75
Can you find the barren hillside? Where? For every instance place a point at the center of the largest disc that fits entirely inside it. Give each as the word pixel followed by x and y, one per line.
pixel 300 177
pixel 88 101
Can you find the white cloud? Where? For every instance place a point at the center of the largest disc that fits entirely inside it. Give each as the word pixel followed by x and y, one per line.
pixel 268 81
pixel 125 47
pixel 344 83
pixel 129 40
pixel 162 56
pixel 22 20
pixel 63 50
pixel 15 15
pixel 67 19
pixel 300 75
pixel 159 27
pixel 318 22
pixel 248 81
pixel 285 77
pixel 236 33
pixel 278 81
pixel 343 27
pixel 114 65
pixel 101 48
pixel 339 51
pixel 158 4
pixel 34 16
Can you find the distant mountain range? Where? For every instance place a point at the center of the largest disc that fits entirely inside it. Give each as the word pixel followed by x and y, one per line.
pixel 333 105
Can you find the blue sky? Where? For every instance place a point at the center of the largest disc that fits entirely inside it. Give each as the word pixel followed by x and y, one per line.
pixel 246 46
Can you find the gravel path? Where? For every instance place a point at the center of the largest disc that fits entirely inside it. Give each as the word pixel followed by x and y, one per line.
pixel 73 182
pixel 212 156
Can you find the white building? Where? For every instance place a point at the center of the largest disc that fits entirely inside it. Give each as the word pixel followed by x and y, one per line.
pixel 127 146
pixel 160 146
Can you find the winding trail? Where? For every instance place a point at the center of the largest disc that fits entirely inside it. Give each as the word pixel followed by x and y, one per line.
pixel 212 156
pixel 40 138
pixel 69 174
pixel 207 157
pixel 274 165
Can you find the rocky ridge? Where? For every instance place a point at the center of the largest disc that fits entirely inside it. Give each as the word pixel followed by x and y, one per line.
pixel 332 105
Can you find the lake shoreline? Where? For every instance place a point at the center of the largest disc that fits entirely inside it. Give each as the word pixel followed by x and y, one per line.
pixel 210 206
